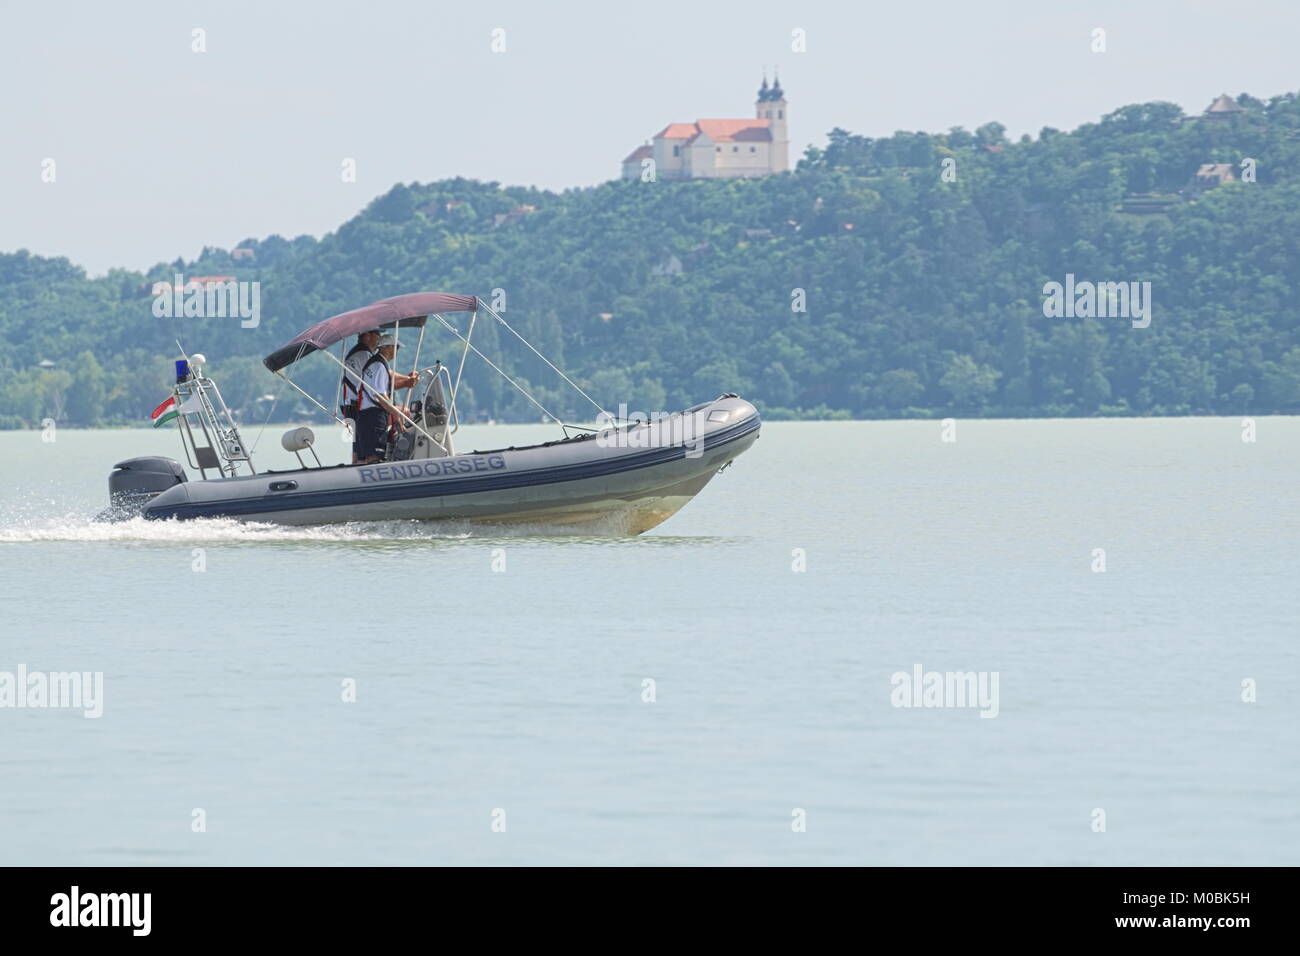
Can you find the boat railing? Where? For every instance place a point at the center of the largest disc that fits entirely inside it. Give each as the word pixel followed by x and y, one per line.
pixel 436 428
pixel 453 417
pixel 203 413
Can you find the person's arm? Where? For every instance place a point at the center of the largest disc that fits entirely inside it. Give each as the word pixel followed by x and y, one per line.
pixel 405 381
pixel 398 414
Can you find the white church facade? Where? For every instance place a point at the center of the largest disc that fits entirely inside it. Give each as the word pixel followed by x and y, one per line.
pixel 720 148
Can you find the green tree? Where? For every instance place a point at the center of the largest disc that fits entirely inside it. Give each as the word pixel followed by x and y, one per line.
pixel 899 388
pixel 86 396
pixel 969 383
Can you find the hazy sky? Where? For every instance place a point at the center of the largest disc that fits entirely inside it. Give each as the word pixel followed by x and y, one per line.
pixel 159 150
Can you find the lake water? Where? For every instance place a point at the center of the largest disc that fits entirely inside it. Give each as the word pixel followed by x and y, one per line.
pixel 521 690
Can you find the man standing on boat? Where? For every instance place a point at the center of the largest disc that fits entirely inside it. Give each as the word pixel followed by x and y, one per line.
pixel 355 361
pixel 378 381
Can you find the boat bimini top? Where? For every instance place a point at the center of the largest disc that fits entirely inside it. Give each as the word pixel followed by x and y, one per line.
pixel 401 311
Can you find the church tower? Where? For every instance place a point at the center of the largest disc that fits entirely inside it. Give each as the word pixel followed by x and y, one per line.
pixel 771 106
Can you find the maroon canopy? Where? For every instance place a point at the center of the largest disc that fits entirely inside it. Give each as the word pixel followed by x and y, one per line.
pixel 400 310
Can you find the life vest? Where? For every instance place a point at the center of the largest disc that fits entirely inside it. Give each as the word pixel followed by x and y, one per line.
pixel 361 389
pixel 351 391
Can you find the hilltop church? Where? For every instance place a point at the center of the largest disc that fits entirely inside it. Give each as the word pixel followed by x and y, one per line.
pixel 721 148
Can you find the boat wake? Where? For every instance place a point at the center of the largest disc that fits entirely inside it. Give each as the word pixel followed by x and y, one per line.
pixel 85 529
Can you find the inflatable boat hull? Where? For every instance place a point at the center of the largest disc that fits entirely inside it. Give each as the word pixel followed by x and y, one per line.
pixel 612 480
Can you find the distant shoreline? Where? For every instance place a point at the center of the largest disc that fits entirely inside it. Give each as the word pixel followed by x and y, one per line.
pixel 937 417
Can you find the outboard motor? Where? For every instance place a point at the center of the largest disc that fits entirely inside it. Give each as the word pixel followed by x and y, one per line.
pixel 137 481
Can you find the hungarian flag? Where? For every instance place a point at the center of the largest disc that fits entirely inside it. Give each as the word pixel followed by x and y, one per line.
pixel 164 412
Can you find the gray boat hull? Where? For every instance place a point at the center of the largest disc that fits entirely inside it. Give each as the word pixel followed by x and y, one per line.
pixel 625 481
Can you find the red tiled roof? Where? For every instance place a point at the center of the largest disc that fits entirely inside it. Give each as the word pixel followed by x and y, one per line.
pixel 677 131
pixel 638 154
pixel 720 131
pixel 735 130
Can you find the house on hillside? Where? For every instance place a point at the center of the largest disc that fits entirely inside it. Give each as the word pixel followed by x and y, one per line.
pixel 721 148
pixel 202 282
pixel 1223 107
pixel 1208 176
pixel 513 216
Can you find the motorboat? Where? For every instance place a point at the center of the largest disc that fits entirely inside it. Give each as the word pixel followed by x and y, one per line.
pixel 624 475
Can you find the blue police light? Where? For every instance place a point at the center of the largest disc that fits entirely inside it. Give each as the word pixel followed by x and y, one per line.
pixel 182 370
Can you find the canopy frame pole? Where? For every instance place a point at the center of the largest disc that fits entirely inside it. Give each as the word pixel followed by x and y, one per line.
pixel 400 414
pixel 415 365
pixel 338 390
pixel 523 391
pixel 397 341
pixel 455 388
pixel 311 398
pixel 491 312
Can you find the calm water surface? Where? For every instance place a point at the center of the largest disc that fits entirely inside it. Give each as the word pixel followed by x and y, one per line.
pixel 521 690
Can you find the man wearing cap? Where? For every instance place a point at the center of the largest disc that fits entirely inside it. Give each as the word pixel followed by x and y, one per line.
pixel 355 363
pixel 378 381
